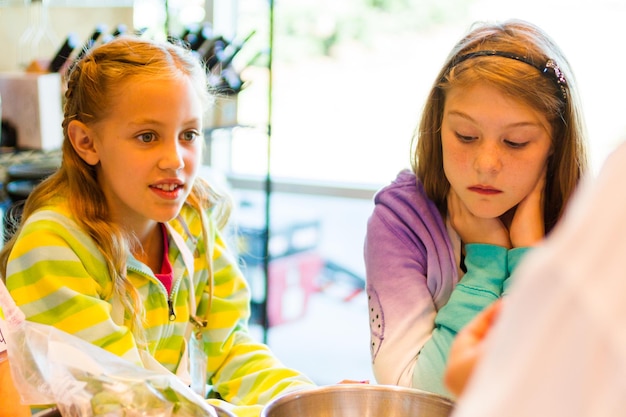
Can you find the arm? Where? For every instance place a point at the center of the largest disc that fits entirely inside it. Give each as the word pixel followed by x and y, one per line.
pixel 410 273
pixel 515 255
pixel 481 286
pixel 566 355
pixel 57 277
pixel 489 264
pixel 486 242
pixel 527 227
pixel 243 371
pixel 468 348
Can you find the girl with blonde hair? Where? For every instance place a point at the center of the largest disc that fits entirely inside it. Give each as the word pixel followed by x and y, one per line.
pixel 122 246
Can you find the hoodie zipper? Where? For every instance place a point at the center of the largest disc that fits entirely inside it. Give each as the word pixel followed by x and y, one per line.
pixel 170 297
pixel 170 304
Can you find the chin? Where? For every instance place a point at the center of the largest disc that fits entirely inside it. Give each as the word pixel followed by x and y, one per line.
pixel 490 208
pixel 167 216
pixel 489 213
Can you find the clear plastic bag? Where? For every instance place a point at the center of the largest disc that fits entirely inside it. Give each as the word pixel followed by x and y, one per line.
pixel 53 367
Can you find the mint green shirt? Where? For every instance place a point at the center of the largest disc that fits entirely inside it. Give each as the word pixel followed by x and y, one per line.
pixel 488 276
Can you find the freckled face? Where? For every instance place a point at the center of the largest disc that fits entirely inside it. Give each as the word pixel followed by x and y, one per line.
pixel 494 148
pixel 149 150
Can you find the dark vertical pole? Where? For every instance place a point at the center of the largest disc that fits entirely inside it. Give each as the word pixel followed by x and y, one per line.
pixel 268 178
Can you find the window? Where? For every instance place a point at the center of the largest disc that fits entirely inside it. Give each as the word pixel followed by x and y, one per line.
pixel 350 77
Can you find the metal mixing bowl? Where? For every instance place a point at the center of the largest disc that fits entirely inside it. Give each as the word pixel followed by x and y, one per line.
pixel 359 400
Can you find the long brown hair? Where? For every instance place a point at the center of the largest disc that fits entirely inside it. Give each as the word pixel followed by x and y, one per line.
pixel 541 91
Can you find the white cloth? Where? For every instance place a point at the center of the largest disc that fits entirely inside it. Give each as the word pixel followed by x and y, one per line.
pixel 558 348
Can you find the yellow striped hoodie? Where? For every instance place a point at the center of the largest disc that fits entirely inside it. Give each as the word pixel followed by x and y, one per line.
pixel 57 276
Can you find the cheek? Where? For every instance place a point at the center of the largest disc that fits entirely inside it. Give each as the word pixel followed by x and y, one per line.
pixel 193 158
pixel 532 170
pixel 455 159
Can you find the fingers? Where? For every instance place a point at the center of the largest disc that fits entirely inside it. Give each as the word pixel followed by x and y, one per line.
pixel 528 227
pixel 538 191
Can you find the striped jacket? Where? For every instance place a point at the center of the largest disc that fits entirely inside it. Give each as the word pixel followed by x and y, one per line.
pixel 57 276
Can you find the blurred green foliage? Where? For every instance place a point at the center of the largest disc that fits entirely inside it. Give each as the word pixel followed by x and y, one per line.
pixel 305 27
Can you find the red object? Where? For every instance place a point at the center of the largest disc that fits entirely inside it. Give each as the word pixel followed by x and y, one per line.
pixel 292 280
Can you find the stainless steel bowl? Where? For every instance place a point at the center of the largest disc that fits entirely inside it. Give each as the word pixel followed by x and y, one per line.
pixel 359 400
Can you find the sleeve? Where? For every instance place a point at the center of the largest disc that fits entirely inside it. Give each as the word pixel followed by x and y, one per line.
pixel 241 370
pixel 57 277
pixel 401 305
pixel 514 257
pixel 480 286
pixel 564 356
pixel 238 410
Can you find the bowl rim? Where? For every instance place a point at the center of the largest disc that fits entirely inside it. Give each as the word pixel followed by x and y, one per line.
pixel 352 387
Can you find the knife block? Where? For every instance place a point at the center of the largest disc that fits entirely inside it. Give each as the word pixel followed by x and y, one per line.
pixel 31 104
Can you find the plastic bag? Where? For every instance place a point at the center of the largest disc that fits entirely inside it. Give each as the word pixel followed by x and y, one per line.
pixel 54 367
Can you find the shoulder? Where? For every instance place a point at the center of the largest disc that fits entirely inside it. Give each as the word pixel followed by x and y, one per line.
pixel 51 233
pixel 405 196
pixel 405 187
pixel 55 216
pixel 403 214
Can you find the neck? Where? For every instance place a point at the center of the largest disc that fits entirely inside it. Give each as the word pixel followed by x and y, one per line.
pixel 150 251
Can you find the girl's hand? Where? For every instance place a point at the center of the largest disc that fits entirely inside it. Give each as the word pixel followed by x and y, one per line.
pixel 527 227
pixel 468 347
pixel 474 229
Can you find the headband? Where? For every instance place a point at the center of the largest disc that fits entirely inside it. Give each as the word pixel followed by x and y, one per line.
pixel 550 68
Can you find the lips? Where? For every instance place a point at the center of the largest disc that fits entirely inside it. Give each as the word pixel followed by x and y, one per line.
pixel 484 190
pixel 168 190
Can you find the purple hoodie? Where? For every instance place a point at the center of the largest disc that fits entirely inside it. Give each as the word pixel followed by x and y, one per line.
pixel 415 305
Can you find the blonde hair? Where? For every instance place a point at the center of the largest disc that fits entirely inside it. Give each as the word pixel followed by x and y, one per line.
pixel 91 87
pixel 520 79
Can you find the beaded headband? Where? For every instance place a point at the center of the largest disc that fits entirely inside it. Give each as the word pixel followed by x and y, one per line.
pixel 550 68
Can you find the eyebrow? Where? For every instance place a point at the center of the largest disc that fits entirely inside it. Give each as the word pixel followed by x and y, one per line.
pixel 151 121
pixel 516 124
pixel 145 121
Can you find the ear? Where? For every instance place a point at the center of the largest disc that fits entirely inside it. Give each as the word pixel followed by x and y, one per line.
pixel 82 141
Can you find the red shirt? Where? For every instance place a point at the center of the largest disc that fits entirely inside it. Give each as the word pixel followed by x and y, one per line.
pixel 166 275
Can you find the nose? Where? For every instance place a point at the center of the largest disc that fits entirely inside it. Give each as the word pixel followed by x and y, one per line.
pixel 172 156
pixel 488 158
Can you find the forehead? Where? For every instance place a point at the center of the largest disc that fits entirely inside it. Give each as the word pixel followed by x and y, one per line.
pixel 483 93
pixel 161 99
pixel 487 104
pixel 137 87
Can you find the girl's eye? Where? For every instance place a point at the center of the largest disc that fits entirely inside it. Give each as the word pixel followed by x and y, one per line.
pixel 190 136
pixel 465 138
pixel 515 145
pixel 146 137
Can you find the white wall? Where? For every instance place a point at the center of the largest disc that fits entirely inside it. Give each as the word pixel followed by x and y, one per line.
pixel 65 17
